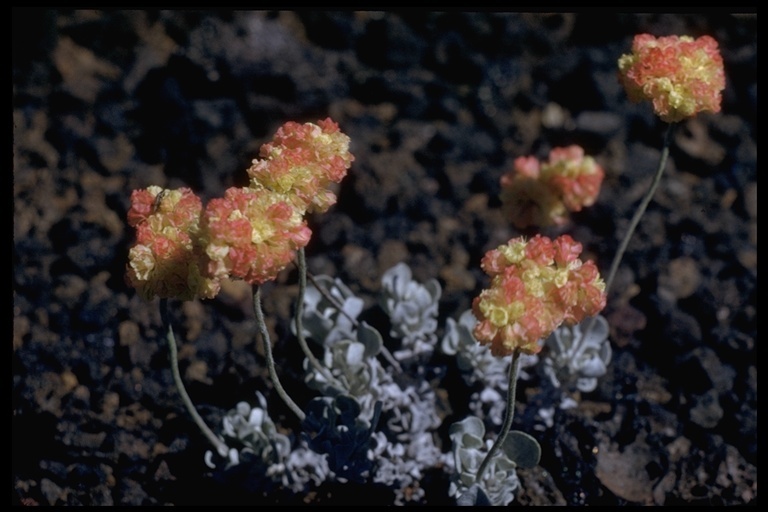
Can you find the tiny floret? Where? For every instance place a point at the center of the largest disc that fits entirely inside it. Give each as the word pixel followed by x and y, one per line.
pixel 681 76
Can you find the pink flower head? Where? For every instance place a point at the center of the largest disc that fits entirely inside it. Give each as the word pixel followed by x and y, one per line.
pixel 541 193
pixel 536 286
pixel 679 75
pixel 252 234
pixel 527 200
pixel 575 178
pixel 301 163
pixel 166 260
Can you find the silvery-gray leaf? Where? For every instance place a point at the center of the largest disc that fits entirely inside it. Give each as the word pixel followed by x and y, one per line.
pixel 470 425
pixel 450 342
pixel 312 298
pixel 599 329
pixel 605 353
pixel 592 366
pixel 256 416
pixel 474 496
pixel 586 385
pixel 522 448
pixel 396 279
pixel 243 408
pixel 370 338
pixel 355 354
pixel 434 289
pixel 353 306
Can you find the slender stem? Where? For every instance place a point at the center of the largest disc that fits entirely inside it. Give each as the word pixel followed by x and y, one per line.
pixel 330 298
pixel 268 352
pixel 634 222
pixel 322 370
pixel 514 369
pixel 640 209
pixel 222 448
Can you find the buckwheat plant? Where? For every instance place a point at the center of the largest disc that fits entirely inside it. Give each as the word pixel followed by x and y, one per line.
pixel 681 76
pixel 376 415
pixel 536 286
pixel 183 251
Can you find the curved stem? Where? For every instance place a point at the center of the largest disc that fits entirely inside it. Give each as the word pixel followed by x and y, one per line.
pixel 640 209
pixel 268 353
pixel 510 414
pixel 322 370
pixel 634 222
pixel 222 448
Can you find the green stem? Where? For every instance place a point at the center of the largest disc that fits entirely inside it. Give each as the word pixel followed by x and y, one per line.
pixel 221 448
pixel 635 221
pixel 640 209
pixel 514 369
pixel 322 370
pixel 268 353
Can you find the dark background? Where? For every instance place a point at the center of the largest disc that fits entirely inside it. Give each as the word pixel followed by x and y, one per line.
pixel 437 105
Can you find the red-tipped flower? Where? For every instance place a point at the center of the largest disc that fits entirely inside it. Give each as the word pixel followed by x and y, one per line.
pixel 681 76
pixel 167 261
pixel 252 234
pixel 542 194
pixel 302 161
pixel 536 286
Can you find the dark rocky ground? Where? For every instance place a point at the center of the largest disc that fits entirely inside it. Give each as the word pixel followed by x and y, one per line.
pixel 438 105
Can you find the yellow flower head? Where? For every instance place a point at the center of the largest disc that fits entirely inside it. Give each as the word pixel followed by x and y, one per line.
pixel 541 194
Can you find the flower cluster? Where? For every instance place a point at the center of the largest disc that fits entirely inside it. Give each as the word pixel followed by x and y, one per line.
pixel 167 260
pixel 302 161
pixel 537 285
pixel 537 193
pixel 681 76
pixel 252 233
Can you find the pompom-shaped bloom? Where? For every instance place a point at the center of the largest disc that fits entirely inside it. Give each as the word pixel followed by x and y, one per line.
pixel 681 76
pixel 576 178
pixel 527 200
pixel 536 286
pixel 252 234
pixel 541 193
pixel 167 261
pixel 302 161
